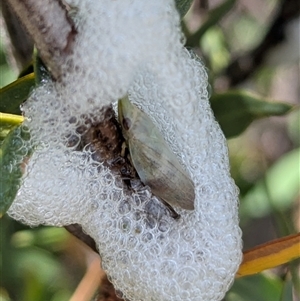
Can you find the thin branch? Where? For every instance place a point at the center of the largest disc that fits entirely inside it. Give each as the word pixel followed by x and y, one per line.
pixel 50 27
pixel 95 282
pixel 77 231
pixel 20 43
pixel 89 283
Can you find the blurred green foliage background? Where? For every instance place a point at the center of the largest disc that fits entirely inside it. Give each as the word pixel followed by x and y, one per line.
pixel 46 263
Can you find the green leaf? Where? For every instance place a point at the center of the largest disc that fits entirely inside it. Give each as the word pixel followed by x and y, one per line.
pixel 34 268
pixel 278 189
pixel 14 94
pixel 7 122
pixel 13 149
pixel 215 15
pixel 235 110
pixel 258 288
pixel 183 6
pixel 41 272
pixel 49 238
pixel 12 152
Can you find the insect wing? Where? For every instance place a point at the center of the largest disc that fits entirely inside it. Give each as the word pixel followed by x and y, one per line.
pixel 158 167
pixel 154 161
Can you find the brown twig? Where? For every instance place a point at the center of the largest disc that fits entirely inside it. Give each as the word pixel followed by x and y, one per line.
pixel 89 283
pixel 95 282
pixel 20 45
pixel 107 291
pixel 77 231
pixel 50 27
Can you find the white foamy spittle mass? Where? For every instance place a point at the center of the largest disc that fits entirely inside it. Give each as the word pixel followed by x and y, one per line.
pixel 134 47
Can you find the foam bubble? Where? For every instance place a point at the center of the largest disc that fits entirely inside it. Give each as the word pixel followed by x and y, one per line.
pixel 135 47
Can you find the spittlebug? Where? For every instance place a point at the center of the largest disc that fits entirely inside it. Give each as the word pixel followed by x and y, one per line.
pixel 156 165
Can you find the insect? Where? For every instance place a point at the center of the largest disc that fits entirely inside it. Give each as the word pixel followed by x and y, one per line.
pixel 155 163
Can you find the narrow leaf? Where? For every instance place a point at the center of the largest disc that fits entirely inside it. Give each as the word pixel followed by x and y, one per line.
pixel 10 119
pixel 7 122
pixel 255 288
pixel 14 94
pixel 12 151
pixel 235 110
pixel 270 255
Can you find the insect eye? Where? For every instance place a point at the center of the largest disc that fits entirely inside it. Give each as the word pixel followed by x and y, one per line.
pixel 126 123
